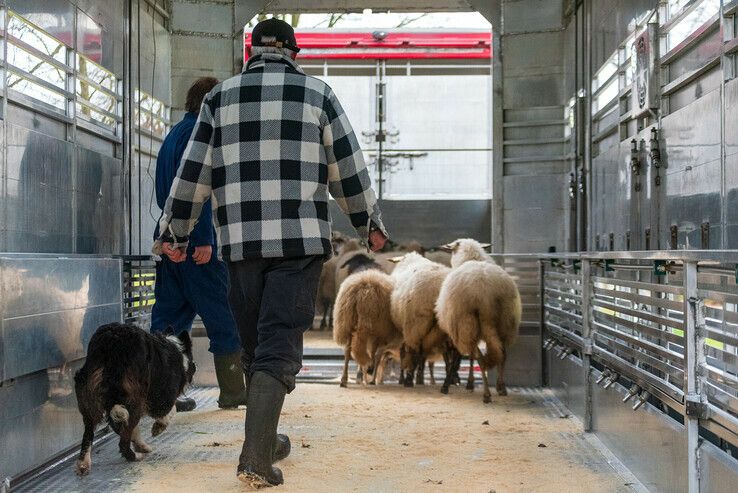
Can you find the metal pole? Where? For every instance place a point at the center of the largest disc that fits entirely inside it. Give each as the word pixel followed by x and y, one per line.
pixel 694 360
pixel 587 342
pixel 542 303
pixel 380 136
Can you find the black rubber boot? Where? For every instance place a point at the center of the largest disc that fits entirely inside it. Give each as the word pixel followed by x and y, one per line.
pixel 185 404
pixel 266 396
pixel 282 444
pixel 230 380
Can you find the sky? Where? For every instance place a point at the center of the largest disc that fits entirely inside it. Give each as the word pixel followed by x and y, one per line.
pixel 452 20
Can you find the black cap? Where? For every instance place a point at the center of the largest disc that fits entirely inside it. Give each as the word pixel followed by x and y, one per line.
pixel 274 32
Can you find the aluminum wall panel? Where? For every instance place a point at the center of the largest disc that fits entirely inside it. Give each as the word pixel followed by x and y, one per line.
pixel 519 15
pixel 566 379
pixel 653 446
pixel 38 418
pixel 39 192
pixel 51 307
pixel 720 470
pixel 99 201
pixel 431 222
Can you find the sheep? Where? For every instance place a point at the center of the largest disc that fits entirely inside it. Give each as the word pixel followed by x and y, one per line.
pixel 327 286
pixel 417 284
pixel 363 325
pixel 360 262
pixel 478 302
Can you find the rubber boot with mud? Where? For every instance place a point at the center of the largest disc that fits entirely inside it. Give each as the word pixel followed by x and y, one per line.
pixel 230 380
pixel 282 444
pixel 266 396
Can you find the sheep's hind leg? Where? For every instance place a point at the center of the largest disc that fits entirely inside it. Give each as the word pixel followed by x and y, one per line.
pixel 346 358
pixel 430 373
pixel 420 377
pixel 487 397
pixel 501 389
pixel 470 380
pixel 450 358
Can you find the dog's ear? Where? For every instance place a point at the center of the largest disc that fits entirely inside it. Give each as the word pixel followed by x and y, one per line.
pixel 169 331
pixel 184 336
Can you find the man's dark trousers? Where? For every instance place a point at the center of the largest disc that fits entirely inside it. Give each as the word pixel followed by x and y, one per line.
pixel 273 302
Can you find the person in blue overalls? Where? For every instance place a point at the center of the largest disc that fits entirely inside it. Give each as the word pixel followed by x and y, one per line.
pixel 199 285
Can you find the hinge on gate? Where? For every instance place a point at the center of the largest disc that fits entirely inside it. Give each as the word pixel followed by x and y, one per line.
pixel 662 267
pixel 695 406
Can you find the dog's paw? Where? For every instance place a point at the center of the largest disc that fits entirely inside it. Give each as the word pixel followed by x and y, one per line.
pixel 157 428
pixel 82 467
pixel 142 447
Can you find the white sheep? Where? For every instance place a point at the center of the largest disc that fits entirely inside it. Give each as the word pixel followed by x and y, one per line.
pixel 362 322
pixel 417 284
pixel 479 302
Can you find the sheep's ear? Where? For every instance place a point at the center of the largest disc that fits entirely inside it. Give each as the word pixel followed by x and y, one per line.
pixel 486 245
pixel 396 260
pixel 450 247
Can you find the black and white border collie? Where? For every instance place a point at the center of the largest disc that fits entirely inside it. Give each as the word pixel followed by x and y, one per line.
pixel 128 374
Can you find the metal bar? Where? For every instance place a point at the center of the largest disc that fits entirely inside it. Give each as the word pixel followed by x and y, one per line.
pixel 542 319
pixel 587 344
pixel 691 387
pixel 690 76
pixel 39 81
pixel 538 123
pixel 662 288
pixel 19 43
pixel 699 34
pixel 670 322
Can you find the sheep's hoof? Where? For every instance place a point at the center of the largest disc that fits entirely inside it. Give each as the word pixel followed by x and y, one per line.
pixel 501 390
pixel 444 389
pixel 487 398
pixel 409 383
pixel 470 386
pixel 344 385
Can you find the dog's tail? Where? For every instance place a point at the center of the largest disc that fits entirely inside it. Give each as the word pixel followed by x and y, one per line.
pixel 119 414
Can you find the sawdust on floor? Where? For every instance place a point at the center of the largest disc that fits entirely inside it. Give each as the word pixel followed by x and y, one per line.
pixel 388 438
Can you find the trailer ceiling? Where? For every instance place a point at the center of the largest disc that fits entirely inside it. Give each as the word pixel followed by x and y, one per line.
pixel 246 9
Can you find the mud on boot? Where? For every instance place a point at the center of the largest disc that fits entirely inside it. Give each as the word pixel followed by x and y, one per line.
pixel 261 444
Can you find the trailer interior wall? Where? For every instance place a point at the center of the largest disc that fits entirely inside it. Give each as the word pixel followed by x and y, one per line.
pixel 74 191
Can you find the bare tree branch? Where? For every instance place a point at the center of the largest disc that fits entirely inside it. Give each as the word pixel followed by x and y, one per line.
pixel 409 20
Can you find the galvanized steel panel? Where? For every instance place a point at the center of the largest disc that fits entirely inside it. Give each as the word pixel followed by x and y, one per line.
pixel 50 308
pixel 38 195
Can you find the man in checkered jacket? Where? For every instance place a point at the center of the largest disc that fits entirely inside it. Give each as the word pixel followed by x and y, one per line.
pixel 268 147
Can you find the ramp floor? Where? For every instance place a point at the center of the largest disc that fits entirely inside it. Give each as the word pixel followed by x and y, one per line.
pixel 369 439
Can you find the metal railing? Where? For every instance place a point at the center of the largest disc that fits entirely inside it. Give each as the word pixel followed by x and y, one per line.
pixel 664 324
pixel 139 277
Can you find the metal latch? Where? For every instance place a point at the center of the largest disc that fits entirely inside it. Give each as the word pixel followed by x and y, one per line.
pixel 695 406
pixel 587 347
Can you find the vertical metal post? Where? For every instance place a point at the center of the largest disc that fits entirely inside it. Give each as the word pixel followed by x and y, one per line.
pixel 694 360
pixel 542 315
pixel 380 133
pixel 586 342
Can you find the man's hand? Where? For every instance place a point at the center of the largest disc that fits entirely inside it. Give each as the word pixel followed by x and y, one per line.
pixel 202 254
pixel 176 255
pixel 376 240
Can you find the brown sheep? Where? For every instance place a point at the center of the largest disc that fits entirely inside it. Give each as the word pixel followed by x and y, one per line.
pixel 362 324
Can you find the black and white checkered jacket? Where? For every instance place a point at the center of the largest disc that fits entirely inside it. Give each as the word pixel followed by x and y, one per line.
pixel 268 146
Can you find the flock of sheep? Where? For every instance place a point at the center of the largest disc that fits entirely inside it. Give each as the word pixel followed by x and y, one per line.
pixel 416 307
